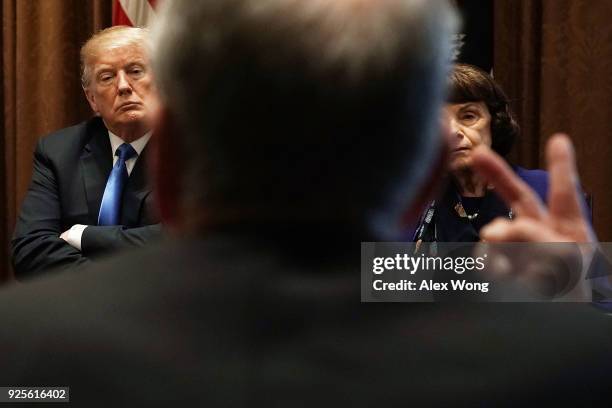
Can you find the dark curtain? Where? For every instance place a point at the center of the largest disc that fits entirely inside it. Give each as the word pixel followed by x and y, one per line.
pixel 554 58
pixel 41 90
pixel 477 31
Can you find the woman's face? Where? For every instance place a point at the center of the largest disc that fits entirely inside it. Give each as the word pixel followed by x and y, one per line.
pixel 470 126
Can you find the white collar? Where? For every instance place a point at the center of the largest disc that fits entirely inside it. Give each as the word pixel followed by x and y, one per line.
pixel 138 144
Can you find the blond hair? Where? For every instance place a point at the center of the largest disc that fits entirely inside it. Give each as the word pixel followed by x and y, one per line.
pixel 112 37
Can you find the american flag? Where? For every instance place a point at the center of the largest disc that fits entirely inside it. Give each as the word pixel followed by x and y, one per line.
pixel 135 13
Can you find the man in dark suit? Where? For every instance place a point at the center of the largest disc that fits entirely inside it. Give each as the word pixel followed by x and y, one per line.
pixel 291 131
pixel 64 220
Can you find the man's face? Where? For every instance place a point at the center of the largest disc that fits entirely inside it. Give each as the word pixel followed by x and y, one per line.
pixel 120 89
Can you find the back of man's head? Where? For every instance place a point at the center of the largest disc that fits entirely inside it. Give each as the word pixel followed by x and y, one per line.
pixel 300 111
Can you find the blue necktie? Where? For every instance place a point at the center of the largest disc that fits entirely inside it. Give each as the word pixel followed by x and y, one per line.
pixel 110 209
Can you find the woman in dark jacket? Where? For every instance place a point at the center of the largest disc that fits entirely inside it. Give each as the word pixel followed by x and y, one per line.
pixel 477 112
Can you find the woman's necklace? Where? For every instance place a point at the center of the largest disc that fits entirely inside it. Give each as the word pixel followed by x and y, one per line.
pixel 462 213
pixel 471 217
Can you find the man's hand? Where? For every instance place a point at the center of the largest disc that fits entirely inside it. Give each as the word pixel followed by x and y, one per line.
pixel 549 270
pixel 563 221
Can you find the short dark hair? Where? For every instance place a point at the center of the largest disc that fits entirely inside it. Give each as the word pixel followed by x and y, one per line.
pixel 468 83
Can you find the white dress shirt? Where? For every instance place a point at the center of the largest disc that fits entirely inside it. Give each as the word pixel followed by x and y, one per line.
pixel 137 144
pixel 75 233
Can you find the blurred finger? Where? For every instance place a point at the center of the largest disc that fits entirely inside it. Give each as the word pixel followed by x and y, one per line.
pixel 514 191
pixel 499 265
pixel 519 230
pixel 563 196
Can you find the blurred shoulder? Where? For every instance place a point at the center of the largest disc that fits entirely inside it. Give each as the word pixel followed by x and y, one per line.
pixel 77 135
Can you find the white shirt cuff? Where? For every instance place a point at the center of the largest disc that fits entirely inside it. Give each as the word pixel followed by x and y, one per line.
pixel 74 235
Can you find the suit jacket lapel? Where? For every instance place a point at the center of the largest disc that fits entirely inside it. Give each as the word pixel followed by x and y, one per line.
pixel 96 164
pixel 136 190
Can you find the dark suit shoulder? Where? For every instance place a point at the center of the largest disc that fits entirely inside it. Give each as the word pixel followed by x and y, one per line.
pixel 64 141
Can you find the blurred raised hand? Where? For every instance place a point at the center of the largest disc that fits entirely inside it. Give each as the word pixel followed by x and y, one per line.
pixel 563 221
pixel 551 270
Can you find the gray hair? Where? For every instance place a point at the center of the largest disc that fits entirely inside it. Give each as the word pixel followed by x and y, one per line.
pixel 320 106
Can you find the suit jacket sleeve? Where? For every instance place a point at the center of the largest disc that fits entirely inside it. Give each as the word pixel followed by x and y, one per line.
pixel 36 244
pixel 98 240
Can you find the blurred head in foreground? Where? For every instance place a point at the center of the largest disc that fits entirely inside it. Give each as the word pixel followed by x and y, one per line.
pixel 291 111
